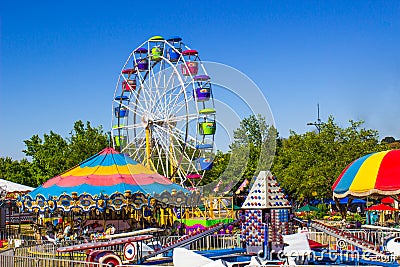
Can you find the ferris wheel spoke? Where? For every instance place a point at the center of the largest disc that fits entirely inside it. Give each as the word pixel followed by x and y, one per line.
pixel 191 140
pixel 181 132
pixel 139 139
pixel 147 87
pixel 133 98
pixel 171 136
pixel 158 162
pixel 139 153
pixel 156 79
pixel 178 106
pixel 176 119
pixel 145 94
pixel 177 109
pixel 138 109
pixel 164 90
pixel 178 136
pixel 168 88
pixel 186 159
pixel 169 95
pixel 153 87
pixel 131 126
pixel 173 102
pixel 162 151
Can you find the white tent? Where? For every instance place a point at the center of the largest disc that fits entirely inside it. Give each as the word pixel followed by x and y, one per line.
pixel 14 187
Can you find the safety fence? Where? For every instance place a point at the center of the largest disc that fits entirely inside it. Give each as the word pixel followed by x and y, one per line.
pixel 208 242
pixel 48 249
pixel 377 238
pixel 43 253
pixel 8 258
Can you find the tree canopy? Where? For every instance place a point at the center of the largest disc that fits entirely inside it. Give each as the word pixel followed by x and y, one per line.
pixel 252 150
pixel 307 164
pixel 52 154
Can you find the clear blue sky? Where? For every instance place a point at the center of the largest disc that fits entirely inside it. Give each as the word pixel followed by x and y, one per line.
pixel 60 60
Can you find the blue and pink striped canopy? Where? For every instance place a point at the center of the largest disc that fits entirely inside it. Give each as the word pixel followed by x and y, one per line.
pixel 106 173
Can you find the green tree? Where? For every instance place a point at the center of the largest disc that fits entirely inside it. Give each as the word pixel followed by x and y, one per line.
pixel 16 171
pixel 53 154
pixel 220 162
pixel 254 144
pixel 48 155
pixel 84 141
pixel 252 150
pixel 308 164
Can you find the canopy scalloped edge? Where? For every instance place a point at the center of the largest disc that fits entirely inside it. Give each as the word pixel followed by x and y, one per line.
pixel 117 201
pixel 366 193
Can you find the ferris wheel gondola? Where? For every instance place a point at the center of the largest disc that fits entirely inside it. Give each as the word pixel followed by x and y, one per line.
pixel 163 110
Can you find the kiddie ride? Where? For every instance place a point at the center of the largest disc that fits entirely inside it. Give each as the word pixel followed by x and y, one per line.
pixel 104 252
pixel 134 247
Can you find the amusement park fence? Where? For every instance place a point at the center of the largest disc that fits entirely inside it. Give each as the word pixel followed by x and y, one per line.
pixel 208 242
pixel 377 238
pixel 35 253
pixel 8 258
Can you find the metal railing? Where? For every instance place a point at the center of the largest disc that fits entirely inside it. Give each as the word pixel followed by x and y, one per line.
pixel 40 253
pixel 377 238
pixel 43 253
pixel 9 259
pixel 207 242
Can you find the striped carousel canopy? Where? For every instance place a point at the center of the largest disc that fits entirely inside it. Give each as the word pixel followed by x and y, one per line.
pixel 108 179
pixel 107 172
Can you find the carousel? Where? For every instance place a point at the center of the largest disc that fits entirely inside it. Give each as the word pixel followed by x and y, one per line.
pixel 108 187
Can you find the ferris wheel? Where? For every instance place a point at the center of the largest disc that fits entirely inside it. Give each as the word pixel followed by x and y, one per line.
pixel 163 110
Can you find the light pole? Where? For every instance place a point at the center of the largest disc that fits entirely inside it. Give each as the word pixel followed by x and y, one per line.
pixel 317 123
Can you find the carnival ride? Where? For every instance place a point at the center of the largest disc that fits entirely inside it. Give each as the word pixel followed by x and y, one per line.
pixel 163 110
pixel 164 117
pixel 108 180
pixel 136 246
pixel 96 251
pixel 185 240
pixel 350 248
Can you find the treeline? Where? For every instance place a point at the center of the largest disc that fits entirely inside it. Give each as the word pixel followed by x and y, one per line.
pixel 53 155
pixel 306 165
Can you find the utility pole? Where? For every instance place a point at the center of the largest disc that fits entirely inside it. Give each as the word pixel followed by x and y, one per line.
pixel 317 123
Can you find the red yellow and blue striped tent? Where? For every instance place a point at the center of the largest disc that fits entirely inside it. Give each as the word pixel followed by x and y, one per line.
pixel 108 179
pixel 373 174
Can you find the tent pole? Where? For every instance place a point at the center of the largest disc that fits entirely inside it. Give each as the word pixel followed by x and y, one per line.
pixel 104 219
